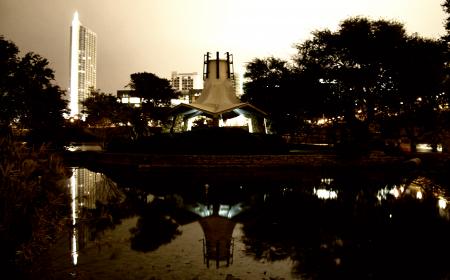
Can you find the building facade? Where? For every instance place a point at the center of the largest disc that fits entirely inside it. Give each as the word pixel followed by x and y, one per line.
pixel 127 96
pixel 189 84
pixel 237 84
pixel 83 65
pixel 184 82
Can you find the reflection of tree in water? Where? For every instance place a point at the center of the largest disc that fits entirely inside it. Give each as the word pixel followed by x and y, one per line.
pixel 156 225
pixel 351 237
pixel 103 206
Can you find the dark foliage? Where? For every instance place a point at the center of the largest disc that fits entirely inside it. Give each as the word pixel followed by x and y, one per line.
pixel 155 226
pixel 33 203
pixel 204 141
pixel 28 96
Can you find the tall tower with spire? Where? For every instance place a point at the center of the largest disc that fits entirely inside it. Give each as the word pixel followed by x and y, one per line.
pixel 83 65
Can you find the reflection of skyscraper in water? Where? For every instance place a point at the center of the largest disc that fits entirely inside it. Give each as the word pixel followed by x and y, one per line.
pixel 87 188
pixel 87 182
pixel 83 64
pixel 91 187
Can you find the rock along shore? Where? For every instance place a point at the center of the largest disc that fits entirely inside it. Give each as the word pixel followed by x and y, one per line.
pixel 307 161
pixel 149 161
pixel 262 168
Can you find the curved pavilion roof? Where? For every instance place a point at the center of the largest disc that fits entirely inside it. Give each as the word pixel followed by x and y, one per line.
pixel 218 97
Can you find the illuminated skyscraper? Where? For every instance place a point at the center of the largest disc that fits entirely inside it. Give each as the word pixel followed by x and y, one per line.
pixel 83 64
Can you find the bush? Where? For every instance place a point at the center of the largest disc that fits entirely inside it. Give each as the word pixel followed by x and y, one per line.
pixel 33 203
pixel 204 141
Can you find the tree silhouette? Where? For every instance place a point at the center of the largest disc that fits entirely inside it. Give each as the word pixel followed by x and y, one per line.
pixel 28 96
pixel 156 94
pixel 104 110
pixel 375 68
pixel 155 91
pixel 269 86
pixel 444 118
pixel 355 62
pixel 446 8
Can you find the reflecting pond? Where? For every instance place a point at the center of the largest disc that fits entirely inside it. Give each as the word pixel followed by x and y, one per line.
pixel 340 227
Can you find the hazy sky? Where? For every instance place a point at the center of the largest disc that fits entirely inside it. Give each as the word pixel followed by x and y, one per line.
pixel 161 36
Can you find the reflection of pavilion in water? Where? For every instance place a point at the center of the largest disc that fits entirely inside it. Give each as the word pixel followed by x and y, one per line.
pixel 218 244
pixel 87 188
pixel 218 225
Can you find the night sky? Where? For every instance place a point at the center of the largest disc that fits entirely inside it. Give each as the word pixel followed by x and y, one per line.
pixel 161 36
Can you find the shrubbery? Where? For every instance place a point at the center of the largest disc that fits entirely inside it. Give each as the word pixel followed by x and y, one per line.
pixel 33 203
pixel 218 140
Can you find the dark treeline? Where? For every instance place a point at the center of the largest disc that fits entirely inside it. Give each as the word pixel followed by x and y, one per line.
pixel 154 93
pixel 368 77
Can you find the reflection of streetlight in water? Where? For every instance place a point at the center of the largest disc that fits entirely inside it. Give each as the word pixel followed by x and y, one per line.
pixel 206 191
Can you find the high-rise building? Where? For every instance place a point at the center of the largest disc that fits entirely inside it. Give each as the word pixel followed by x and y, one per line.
pixel 237 84
pixel 83 64
pixel 184 82
pixel 188 84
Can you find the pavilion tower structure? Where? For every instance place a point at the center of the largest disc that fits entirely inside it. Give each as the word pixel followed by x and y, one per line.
pixel 218 100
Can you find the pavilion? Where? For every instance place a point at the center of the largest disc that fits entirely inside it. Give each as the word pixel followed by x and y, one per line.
pixel 218 100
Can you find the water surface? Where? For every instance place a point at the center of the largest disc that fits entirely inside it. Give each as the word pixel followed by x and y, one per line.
pixel 316 227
